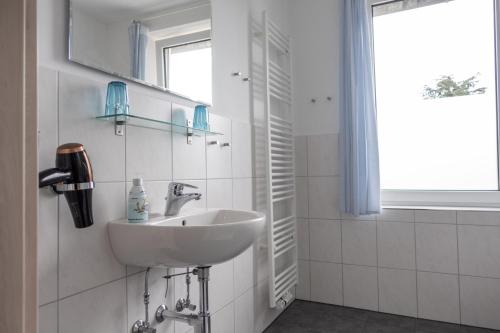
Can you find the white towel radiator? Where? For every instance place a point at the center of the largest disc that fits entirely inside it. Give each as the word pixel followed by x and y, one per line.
pixel 282 234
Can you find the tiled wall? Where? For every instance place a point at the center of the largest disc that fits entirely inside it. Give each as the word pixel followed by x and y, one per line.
pixel 434 264
pixel 82 287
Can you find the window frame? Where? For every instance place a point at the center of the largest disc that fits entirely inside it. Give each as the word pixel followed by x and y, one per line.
pixel 161 45
pixel 435 198
pixel 166 57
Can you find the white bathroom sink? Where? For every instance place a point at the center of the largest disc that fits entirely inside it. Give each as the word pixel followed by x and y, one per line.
pixel 198 238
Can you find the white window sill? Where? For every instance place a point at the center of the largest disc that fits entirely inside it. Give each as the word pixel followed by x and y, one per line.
pixel 441 200
pixel 460 208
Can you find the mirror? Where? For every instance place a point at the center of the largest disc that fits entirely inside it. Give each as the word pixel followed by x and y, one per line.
pixel 164 44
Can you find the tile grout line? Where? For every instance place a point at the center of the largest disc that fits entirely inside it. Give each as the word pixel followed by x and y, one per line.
pixel 126 215
pixel 376 256
pixel 458 272
pixel 58 203
pixel 342 264
pixel 309 253
pixel 308 215
pixel 415 256
pixel 94 287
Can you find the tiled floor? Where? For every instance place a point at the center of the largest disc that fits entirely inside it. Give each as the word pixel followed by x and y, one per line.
pixel 308 317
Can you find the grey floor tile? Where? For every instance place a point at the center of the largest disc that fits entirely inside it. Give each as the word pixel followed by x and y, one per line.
pixel 387 323
pixel 310 317
pixel 429 326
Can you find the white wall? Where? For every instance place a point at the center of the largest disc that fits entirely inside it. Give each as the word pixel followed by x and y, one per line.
pixel 315 65
pixel 434 264
pixel 82 287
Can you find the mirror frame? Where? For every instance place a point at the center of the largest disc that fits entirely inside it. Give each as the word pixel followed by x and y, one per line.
pixel 71 58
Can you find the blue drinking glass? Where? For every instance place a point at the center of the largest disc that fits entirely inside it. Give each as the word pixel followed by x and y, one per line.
pixel 200 120
pixel 116 98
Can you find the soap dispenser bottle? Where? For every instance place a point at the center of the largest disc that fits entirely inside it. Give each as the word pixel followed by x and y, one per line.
pixel 138 206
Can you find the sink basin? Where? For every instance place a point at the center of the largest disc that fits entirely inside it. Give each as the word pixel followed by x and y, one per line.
pixel 197 238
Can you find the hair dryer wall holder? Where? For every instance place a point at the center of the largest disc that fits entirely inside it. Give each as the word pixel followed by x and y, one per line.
pixel 72 177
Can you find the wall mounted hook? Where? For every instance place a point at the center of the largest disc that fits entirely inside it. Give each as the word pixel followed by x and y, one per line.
pixel 329 98
pixel 313 100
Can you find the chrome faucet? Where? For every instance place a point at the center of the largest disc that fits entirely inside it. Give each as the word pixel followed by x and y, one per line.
pixel 176 198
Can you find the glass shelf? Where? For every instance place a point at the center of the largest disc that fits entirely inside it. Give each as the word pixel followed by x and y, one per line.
pixel 138 121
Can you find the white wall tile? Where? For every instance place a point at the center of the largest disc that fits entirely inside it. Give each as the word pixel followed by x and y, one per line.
pixel 188 160
pixel 47 117
pixel 261 259
pixel 303 238
pixel 359 242
pixel 156 191
pixel 360 287
pixel 479 249
pixel 480 301
pixel 436 216
pixel 326 240
pixel 396 245
pixel 301 156
pixel 103 309
pixel 243 193
pixel 149 154
pixel 218 156
pixel 323 157
pixel 146 105
pixel 326 283
pixel 85 256
pixel 302 197
pixel 242 150
pixel 347 216
pixel 436 248
pixel 481 218
pixel 47 318
pixel 398 291
pixel 438 297
pixel 324 198
pixel 220 193
pixel 263 314
pixel 80 101
pixel 221 285
pixel 260 195
pixel 48 225
pixel 396 215
pixel 303 289
pixel 259 151
pixel 243 313
pixel 244 272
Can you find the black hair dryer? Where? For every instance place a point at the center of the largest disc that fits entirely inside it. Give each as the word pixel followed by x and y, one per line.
pixel 72 177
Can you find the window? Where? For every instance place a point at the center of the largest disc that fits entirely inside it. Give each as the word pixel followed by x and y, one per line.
pixel 436 97
pixel 188 69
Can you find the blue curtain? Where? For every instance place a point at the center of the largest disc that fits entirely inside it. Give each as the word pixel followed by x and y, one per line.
pixel 138 40
pixel 358 135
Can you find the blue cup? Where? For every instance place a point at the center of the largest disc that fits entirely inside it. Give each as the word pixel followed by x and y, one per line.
pixel 116 98
pixel 200 120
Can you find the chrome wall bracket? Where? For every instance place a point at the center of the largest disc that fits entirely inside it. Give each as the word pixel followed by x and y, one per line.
pixel 119 125
pixel 189 131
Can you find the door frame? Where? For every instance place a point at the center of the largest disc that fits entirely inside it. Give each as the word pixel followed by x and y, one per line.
pixel 18 166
